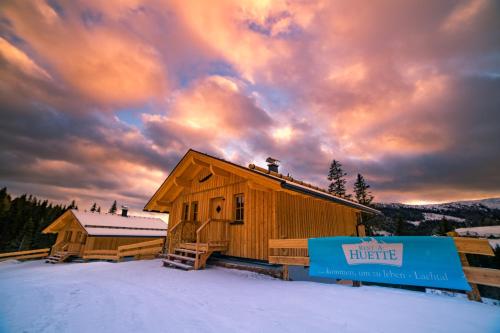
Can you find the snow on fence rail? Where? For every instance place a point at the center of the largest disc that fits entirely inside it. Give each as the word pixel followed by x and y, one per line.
pixel 464 245
pixel 137 250
pixel 30 254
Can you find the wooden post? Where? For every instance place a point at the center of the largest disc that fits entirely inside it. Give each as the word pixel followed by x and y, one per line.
pixel 285 275
pixel 474 294
pixel 361 231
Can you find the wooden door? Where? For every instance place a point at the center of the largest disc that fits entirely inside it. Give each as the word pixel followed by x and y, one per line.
pixel 217 208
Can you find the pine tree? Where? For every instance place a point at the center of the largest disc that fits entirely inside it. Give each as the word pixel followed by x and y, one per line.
pixel 444 227
pixel 22 219
pixel 337 181
pixel 98 210
pixel 363 196
pixel 400 226
pixel 113 208
pixel 94 207
pixel 73 205
pixel 27 233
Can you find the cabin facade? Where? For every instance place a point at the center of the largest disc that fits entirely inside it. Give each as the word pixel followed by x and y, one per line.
pixel 219 206
pixel 80 231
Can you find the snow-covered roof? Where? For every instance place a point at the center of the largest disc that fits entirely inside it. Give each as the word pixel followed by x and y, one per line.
pixel 489 231
pixel 494 243
pixel 97 224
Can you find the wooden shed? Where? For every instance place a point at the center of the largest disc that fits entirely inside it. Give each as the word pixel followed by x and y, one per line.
pixel 219 206
pixel 81 231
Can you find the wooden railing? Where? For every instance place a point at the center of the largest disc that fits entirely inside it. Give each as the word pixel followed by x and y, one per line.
pixel 30 254
pixel 221 238
pixel 101 255
pixel 183 231
pixel 464 245
pixel 61 246
pixel 138 251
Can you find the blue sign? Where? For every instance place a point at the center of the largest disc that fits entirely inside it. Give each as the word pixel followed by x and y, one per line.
pixel 407 260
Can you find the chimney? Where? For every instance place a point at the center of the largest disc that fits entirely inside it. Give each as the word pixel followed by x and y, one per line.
pixel 272 164
pixel 124 211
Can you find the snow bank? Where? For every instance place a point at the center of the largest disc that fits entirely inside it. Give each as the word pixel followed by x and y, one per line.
pixel 142 296
pixel 434 217
pixel 494 243
pixel 488 231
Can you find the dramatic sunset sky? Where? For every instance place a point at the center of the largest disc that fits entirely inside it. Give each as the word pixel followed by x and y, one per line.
pixel 100 99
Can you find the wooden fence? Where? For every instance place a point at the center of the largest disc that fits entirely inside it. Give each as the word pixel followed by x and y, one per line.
pixel 141 250
pixel 464 245
pixel 149 249
pixel 31 254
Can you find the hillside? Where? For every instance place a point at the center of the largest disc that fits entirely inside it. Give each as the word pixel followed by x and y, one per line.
pixel 434 219
pixel 112 297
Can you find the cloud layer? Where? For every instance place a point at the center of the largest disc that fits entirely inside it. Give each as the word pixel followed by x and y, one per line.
pixel 99 100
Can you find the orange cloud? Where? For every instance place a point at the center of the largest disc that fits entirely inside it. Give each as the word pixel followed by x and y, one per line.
pixel 103 63
pixel 19 59
pixel 214 108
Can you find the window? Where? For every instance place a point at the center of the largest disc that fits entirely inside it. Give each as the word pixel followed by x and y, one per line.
pixel 239 207
pixel 78 236
pixel 67 236
pixel 185 211
pixel 194 211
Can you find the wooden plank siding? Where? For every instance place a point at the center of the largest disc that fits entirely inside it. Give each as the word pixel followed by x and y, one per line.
pixel 268 214
pixel 112 243
pixel 304 217
pixel 75 242
pixel 247 240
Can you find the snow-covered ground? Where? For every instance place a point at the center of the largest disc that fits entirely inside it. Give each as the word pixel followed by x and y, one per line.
pixel 439 217
pixel 486 231
pixel 142 296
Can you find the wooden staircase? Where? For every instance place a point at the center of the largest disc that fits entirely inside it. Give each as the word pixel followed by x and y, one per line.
pixel 59 257
pixel 190 256
pixel 190 252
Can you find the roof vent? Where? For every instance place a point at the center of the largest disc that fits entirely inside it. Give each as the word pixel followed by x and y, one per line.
pixel 272 164
pixel 124 211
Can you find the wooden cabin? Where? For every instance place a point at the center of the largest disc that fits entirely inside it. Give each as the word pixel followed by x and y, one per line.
pixel 219 206
pixel 80 231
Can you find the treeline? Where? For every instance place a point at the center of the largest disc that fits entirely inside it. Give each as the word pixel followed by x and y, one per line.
pixel 22 220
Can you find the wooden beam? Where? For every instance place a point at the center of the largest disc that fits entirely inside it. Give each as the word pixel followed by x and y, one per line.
pixel 486 276
pixel 182 182
pixel 257 187
pixel 18 253
pixel 219 171
pixel 473 246
pixel 285 260
pixel 28 256
pixel 300 243
pixel 199 162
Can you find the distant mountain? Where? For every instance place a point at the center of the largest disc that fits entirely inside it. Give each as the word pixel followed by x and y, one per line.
pixel 434 219
pixel 491 203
